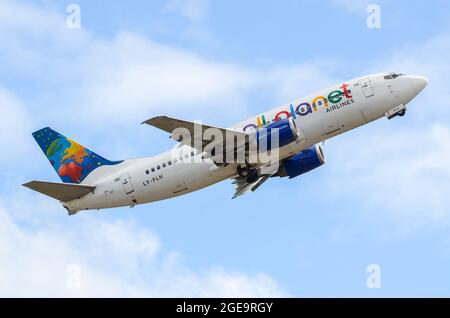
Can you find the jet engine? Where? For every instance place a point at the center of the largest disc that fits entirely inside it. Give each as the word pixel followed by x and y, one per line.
pixel 286 130
pixel 302 162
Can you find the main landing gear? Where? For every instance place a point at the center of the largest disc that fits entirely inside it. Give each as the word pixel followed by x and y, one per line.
pixel 243 172
pixel 250 175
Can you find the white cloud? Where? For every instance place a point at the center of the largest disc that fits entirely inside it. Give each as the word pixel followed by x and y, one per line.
pixel 115 259
pixel 134 75
pixel 35 40
pixel 128 76
pixel 26 18
pixel 149 77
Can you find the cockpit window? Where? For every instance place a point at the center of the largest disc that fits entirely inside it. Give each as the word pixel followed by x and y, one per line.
pixel 393 76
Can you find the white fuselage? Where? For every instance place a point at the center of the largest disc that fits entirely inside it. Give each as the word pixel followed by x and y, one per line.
pixel 331 112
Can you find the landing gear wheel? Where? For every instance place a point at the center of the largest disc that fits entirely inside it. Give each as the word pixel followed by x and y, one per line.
pixel 253 176
pixel 243 172
pixel 402 113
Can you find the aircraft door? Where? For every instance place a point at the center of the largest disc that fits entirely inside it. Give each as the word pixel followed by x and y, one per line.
pixel 367 88
pixel 126 184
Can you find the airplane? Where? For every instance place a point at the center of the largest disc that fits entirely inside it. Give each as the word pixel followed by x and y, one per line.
pixel 91 182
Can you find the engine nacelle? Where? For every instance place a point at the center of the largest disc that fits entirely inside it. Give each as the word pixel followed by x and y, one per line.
pixel 286 130
pixel 302 162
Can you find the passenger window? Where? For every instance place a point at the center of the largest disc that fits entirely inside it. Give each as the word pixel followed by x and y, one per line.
pixel 164 165
pixel 153 169
pixel 147 172
pixel 158 167
pixel 170 163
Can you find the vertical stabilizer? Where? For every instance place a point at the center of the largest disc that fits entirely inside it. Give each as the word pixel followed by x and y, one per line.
pixel 71 161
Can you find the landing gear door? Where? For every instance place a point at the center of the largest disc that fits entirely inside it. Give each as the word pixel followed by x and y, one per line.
pixel 366 86
pixel 126 184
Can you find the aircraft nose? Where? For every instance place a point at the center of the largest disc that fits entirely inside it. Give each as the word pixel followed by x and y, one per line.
pixel 419 83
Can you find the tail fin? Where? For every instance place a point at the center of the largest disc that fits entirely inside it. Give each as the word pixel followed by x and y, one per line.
pixel 71 161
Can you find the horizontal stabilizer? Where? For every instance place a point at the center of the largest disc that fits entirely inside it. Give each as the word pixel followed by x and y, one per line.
pixel 63 192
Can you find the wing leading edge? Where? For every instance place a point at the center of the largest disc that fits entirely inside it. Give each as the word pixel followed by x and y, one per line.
pixel 182 130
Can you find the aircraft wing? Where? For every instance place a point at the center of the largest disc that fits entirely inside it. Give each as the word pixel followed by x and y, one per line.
pixel 185 131
pixel 63 192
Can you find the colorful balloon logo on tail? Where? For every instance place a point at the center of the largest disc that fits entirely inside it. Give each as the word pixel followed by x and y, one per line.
pixel 72 161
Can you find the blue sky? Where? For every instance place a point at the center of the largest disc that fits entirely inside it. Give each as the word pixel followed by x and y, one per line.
pixel 382 198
